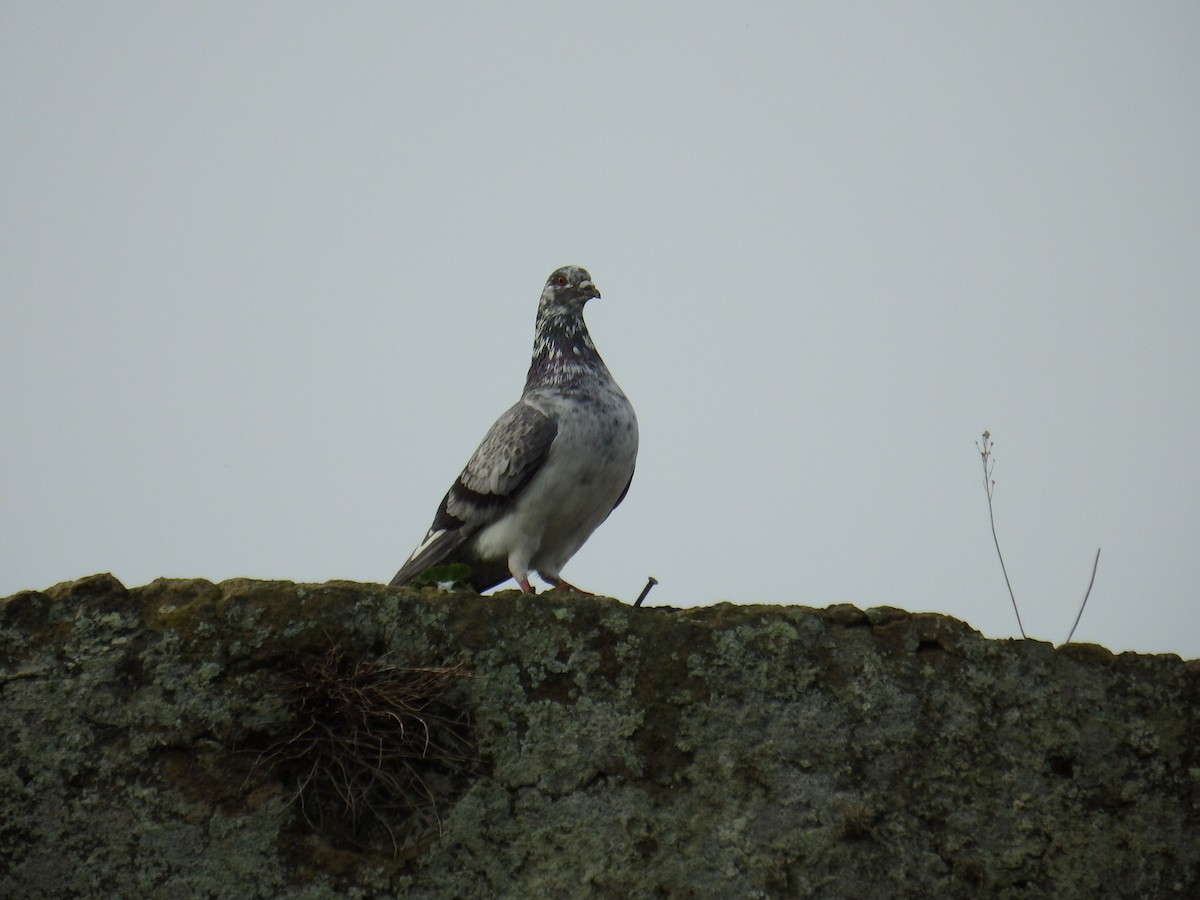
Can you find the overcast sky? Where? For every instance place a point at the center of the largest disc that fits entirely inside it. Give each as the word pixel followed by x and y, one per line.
pixel 269 271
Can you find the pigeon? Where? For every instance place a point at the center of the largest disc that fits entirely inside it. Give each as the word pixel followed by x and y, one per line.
pixel 550 469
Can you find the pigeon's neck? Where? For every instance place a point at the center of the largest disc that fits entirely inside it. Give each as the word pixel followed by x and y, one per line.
pixel 563 352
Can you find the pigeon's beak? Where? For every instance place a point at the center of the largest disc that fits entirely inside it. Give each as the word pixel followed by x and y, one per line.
pixel 589 290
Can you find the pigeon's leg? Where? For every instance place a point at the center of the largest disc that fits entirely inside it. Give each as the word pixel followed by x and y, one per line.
pixel 518 568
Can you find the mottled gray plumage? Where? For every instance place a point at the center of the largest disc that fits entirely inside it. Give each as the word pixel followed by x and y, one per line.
pixel 550 469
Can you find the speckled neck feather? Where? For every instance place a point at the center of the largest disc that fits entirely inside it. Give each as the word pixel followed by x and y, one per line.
pixel 563 352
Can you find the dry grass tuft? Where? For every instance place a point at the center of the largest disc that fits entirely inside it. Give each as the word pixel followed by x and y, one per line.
pixel 373 748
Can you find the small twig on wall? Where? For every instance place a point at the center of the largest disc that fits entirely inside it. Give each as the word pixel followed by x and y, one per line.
pixel 989 485
pixel 1086 594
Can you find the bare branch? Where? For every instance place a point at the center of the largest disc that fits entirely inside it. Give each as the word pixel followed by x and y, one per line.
pixel 1086 594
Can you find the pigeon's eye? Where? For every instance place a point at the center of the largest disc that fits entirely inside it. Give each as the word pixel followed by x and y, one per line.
pixel 560 280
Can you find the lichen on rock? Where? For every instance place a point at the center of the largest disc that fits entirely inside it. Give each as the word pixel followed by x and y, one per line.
pixel 717 751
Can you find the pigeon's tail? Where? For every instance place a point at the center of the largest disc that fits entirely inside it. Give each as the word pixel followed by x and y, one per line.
pixel 443 546
pixel 438 544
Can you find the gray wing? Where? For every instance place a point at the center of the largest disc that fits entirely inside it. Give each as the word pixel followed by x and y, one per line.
pixel 508 457
pixel 506 460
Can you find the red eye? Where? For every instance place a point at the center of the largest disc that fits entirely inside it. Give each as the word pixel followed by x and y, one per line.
pixel 560 280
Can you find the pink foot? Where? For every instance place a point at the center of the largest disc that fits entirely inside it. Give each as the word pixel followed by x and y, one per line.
pixel 561 585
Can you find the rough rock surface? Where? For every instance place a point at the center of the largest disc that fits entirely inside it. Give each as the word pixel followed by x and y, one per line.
pixel 727 751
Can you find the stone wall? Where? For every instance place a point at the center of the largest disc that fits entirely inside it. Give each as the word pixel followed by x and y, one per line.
pixel 186 739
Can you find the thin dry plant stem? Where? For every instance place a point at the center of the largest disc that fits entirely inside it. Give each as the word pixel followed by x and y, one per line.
pixel 1086 594
pixel 989 485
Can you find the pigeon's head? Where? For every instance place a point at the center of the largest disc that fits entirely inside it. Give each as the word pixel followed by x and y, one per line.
pixel 567 290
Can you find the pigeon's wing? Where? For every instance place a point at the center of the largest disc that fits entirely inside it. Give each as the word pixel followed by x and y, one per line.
pixel 506 460
pixel 508 457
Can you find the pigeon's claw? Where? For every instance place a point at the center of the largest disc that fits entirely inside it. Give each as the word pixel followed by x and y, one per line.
pixel 561 585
